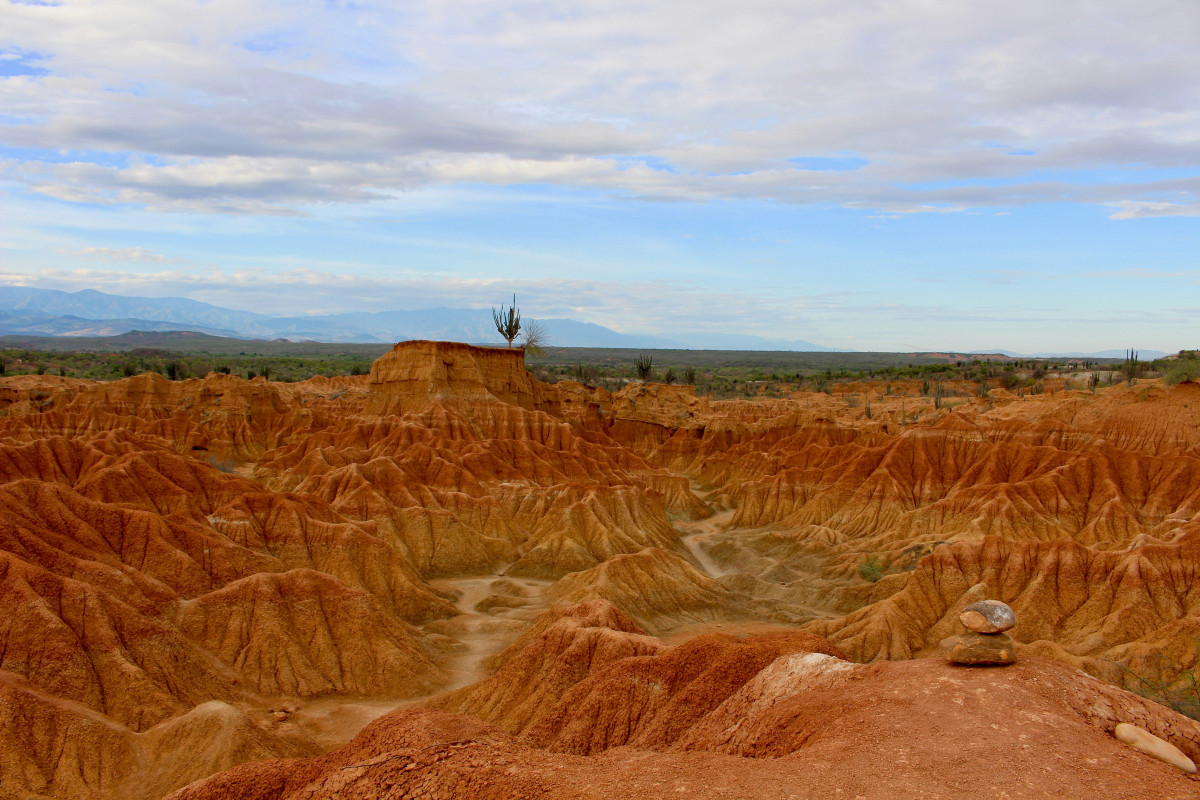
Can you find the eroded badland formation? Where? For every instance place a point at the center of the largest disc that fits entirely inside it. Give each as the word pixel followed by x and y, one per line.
pixel 219 582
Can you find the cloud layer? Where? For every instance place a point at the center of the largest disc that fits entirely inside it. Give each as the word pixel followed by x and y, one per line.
pixel 899 107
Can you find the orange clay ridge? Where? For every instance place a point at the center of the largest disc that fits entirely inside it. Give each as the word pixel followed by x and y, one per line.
pixel 449 580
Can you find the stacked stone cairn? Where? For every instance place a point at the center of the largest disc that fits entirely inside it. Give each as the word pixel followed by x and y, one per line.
pixel 985 643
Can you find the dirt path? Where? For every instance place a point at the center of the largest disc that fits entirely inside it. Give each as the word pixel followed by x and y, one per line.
pixel 511 604
pixel 698 533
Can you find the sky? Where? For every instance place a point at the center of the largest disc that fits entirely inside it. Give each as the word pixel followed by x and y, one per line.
pixel 864 174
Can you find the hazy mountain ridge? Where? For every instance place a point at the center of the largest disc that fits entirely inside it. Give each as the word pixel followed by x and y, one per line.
pixel 69 325
pixel 50 312
pixel 1144 355
pixel 90 313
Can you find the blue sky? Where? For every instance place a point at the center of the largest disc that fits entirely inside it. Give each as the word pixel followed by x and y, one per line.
pixel 903 176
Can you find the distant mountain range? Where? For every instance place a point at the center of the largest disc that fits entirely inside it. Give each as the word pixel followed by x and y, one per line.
pixel 1143 355
pixel 48 312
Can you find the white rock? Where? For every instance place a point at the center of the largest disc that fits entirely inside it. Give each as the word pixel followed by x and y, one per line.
pixel 1151 745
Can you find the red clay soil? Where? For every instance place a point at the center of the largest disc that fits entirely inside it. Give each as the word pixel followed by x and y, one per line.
pixel 907 729
pixel 564 646
pixel 653 700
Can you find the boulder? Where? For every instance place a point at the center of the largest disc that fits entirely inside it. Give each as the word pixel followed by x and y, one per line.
pixel 988 616
pixel 980 649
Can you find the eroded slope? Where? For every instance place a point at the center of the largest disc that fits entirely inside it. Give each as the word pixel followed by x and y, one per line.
pixel 265 567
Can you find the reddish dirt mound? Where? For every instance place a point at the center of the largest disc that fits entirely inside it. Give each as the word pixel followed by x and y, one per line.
pixel 302 633
pixel 881 731
pixel 651 701
pixel 658 589
pixel 563 648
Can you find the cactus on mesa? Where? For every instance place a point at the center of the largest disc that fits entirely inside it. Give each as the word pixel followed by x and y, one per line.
pixel 508 321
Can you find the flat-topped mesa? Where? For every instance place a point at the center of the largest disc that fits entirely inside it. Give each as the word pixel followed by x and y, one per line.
pixel 414 375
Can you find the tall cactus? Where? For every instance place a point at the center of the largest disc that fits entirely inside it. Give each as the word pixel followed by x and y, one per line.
pixel 508 321
pixel 1131 366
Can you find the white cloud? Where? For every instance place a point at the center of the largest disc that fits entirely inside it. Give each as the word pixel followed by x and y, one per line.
pixel 269 107
pixel 123 254
pixel 1142 209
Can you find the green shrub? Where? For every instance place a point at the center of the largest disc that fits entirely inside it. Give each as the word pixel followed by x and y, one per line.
pixel 1185 369
pixel 870 570
pixel 1158 678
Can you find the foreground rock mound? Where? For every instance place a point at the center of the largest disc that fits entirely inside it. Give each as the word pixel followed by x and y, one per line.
pixel 652 701
pixel 939 731
pixel 556 685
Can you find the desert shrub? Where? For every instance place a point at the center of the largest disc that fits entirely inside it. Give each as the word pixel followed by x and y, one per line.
pixel 1159 678
pixel 535 339
pixel 689 375
pixel 1185 369
pixel 870 569
pixel 644 366
pixel 585 373
pixel 669 376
